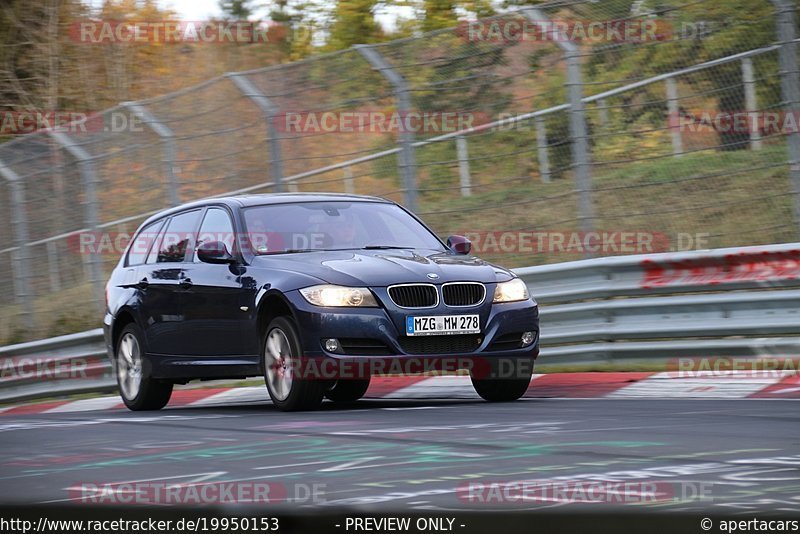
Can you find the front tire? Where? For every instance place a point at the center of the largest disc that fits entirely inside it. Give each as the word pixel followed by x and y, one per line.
pixel 505 387
pixel 138 390
pixel 348 390
pixel 282 357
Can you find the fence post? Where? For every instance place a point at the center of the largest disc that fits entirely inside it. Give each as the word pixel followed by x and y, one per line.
pixel 52 266
pixel 751 101
pixel 270 112
pixel 349 186
pixel 407 159
pixel 602 108
pixel 168 150
pixel 577 124
pixel 463 166
pixel 790 87
pixel 91 210
pixel 541 145
pixel 674 121
pixel 21 260
pixel 16 277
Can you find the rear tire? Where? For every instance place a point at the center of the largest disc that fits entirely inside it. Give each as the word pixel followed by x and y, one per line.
pixel 347 390
pixel 496 389
pixel 282 356
pixel 138 390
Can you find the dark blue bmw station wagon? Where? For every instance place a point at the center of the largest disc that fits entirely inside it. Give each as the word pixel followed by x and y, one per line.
pixel 302 289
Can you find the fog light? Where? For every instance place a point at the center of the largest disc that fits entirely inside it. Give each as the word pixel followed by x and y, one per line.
pixel 527 338
pixel 331 345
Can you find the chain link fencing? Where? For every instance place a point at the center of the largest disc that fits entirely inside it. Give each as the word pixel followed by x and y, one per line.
pixel 569 130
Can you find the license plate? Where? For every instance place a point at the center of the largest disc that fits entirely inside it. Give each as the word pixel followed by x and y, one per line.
pixel 442 325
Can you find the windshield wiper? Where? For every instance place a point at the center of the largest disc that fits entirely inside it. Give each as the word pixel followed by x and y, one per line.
pixel 385 247
pixel 293 251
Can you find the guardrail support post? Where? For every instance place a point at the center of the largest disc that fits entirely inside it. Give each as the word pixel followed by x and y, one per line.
pixel 541 145
pixel 463 166
pixel 790 87
pixel 674 113
pixel 91 211
pixel 168 138
pixel 21 260
pixel 751 101
pixel 270 112
pixel 407 159
pixel 577 123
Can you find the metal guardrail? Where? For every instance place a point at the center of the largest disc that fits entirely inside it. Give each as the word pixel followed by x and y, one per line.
pixel 738 302
pixel 63 365
pixel 724 302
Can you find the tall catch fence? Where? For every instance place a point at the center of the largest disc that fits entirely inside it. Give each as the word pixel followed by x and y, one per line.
pixel 548 134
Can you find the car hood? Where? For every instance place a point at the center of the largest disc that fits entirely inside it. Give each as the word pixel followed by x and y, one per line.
pixel 379 268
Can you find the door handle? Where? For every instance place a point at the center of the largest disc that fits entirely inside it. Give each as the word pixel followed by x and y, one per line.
pixel 143 283
pixel 186 282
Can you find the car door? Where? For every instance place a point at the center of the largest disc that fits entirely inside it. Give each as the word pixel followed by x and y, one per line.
pixel 213 317
pixel 161 281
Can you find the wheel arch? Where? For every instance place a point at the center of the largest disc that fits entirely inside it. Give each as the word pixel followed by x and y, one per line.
pixel 123 318
pixel 274 304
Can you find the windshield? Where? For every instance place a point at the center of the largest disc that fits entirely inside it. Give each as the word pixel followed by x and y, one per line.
pixel 337 225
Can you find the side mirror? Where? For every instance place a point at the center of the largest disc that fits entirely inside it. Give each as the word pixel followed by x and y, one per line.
pixel 459 244
pixel 214 252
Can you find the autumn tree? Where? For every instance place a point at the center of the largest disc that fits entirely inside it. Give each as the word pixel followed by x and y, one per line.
pixel 353 22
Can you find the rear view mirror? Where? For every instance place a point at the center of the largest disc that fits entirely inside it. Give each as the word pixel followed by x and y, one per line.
pixel 214 252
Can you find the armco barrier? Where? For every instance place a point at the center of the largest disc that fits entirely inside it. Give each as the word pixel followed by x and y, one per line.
pixel 741 302
pixel 723 302
pixel 63 365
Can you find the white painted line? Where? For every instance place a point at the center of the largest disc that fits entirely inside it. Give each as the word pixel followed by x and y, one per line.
pixel 709 388
pixel 250 394
pixel 784 390
pixel 86 405
pixel 437 387
pixel 723 374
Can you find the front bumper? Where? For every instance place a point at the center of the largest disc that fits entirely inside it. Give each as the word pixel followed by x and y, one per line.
pixel 384 324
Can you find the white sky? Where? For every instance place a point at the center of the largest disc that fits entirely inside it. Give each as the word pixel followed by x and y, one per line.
pixel 193 9
pixel 205 9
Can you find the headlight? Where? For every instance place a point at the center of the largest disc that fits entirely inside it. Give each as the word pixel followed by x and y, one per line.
pixel 511 291
pixel 330 296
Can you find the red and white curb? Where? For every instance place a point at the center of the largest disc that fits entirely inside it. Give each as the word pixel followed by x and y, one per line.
pixel 622 385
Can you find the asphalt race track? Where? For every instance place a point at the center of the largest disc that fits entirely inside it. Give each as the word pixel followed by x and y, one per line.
pixel 723 456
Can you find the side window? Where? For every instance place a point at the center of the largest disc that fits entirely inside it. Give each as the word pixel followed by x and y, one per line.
pixel 216 226
pixel 141 244
pixel 177 238
pixel 151 258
